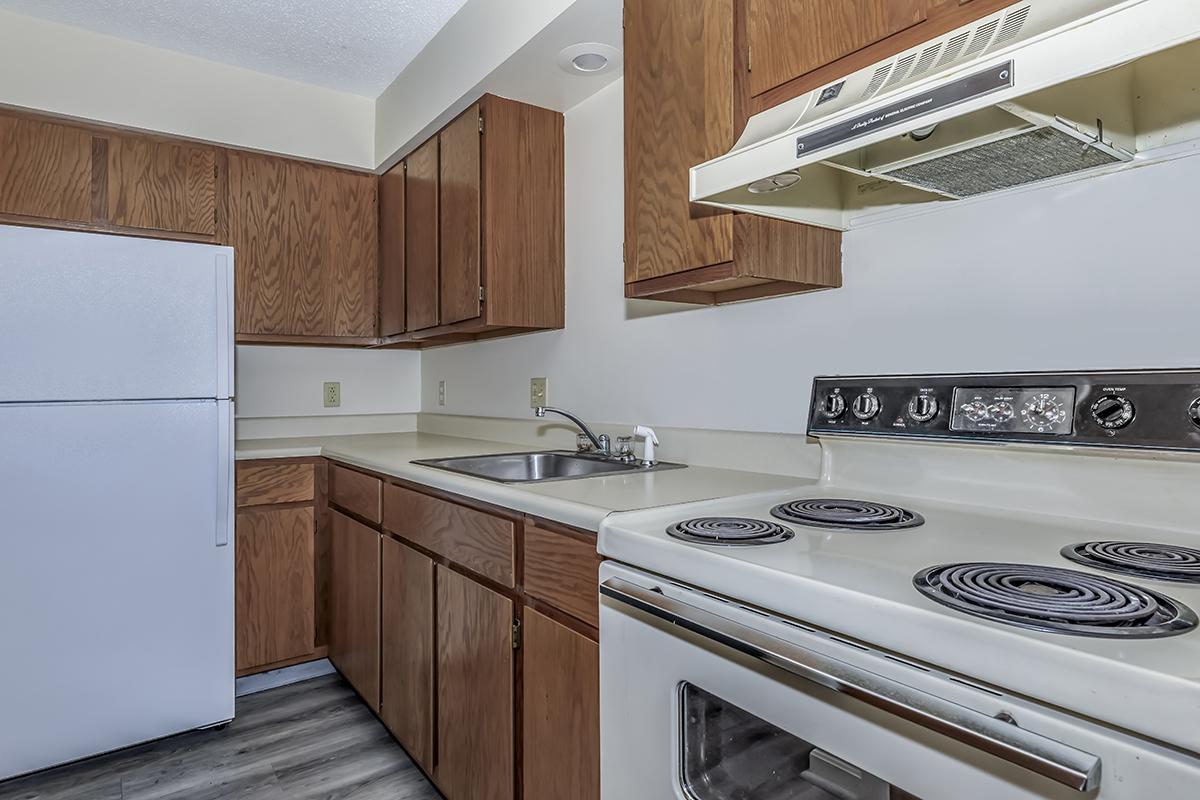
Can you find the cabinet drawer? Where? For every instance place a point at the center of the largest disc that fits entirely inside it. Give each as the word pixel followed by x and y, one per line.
pixel 564 572
pixel 264 484
pixel 478 541
pixel 355 492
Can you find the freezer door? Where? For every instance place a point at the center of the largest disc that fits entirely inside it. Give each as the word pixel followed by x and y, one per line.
pixel 116 588
pixel 85 316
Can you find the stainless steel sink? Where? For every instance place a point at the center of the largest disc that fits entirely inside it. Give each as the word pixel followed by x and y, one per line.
pixel 558 465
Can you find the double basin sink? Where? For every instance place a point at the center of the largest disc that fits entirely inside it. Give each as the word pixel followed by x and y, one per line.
pixel 554 465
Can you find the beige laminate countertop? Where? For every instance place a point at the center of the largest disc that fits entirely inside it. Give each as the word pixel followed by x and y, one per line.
pixel 581 503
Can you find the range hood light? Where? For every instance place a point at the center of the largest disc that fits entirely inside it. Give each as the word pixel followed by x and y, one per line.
pixel 774 183
pixel 921 134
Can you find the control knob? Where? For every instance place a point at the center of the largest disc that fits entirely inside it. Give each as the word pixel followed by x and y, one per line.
pixel 923 408
pixel 833 406
pixel 1194 412
pixel 866 406
pixel 1112 412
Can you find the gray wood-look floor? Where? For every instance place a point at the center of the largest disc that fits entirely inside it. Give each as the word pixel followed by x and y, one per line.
pixel 306 741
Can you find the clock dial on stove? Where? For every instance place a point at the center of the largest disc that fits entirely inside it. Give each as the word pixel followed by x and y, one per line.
pixel 1044 412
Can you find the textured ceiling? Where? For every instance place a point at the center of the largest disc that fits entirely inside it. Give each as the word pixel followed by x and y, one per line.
pixel 355 46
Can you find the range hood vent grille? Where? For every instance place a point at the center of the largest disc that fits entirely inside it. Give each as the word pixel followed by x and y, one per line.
pixel 983 37
pixel 1012 26
pixel 954 49
pixel 1027 157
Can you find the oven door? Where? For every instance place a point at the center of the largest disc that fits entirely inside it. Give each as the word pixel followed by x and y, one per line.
pixel 704 699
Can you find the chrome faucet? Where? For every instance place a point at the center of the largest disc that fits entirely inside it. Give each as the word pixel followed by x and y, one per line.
pixel 602 443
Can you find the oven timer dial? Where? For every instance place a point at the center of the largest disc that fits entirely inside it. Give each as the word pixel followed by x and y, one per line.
pixel 975 411
pixel 1043 412
pixel 1001 411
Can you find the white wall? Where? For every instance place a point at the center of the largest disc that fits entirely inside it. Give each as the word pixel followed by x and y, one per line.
pixel 287 381
pixel 64 70
pixel 1096 274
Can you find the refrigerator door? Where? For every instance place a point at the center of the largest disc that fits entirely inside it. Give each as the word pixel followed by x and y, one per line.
pixel 116 581
pixel 85 316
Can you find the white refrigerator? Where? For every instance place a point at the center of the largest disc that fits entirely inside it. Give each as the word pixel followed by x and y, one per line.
pixel 116 476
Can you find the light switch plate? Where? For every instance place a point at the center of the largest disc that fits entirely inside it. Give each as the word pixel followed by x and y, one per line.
pixel 537 392
pixel 441 393
pixel 333 394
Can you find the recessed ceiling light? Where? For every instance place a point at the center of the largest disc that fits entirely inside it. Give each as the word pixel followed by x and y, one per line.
pixel 589 58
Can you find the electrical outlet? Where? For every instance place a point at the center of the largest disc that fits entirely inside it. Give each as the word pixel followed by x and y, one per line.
pixel 537 392
pixel 441 393
pixel 333 394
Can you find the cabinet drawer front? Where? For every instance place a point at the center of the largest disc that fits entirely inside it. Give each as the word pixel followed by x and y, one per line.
pixel 564 572
pixel 264 484
pixel 355 492
pixel 478 541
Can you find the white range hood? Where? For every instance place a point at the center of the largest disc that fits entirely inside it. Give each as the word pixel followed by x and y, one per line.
pixel 1041 90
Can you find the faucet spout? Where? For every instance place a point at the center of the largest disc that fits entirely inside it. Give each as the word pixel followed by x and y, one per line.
pixel 602 443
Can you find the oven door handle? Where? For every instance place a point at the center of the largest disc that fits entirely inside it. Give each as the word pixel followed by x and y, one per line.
pixel 1046 757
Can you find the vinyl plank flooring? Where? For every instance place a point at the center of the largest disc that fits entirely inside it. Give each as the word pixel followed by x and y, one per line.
pixel 308 741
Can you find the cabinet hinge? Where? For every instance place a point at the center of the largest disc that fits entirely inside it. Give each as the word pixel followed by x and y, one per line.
pixel 749 58
pixel 481 293
pixel 481 123
pixel 516 634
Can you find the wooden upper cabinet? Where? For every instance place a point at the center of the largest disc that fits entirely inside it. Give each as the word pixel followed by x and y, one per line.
pixel 391 252
pixel 307 248
pixel 459 217
pixel 790 38
pixel 45 170
pixel 161 185
pixel 421 236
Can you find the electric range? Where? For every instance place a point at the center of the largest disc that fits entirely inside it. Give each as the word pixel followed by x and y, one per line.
pixel 1051 584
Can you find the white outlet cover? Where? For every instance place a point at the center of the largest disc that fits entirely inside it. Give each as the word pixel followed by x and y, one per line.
pixel 538 392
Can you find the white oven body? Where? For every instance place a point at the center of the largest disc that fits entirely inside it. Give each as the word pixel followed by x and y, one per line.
pixel 683 711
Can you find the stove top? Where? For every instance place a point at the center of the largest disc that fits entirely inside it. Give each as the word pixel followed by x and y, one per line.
pixel 729 531
pixel 859 515
pixel 1149 560
pixel 1055 600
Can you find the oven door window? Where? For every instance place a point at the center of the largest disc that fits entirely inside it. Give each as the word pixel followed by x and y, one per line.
pixel 730 754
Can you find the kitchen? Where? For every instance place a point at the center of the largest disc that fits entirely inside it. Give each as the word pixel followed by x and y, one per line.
pixel 481 649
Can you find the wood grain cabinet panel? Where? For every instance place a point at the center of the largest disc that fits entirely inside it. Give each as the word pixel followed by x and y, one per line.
pixel 307 243
pixel 391 252
pixel 264 484
pixel 476 540
pixel 274 585
pixel 161 185
pixel 563 571
pixel 560 712
pixel 406 699
pixel 790 38
pixel 45 170
pixel 358 493
pixel 459 223
pixel 354 556
pixel 421 236
pixel 475 690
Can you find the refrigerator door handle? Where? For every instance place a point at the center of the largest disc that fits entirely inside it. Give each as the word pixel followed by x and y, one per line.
pixel 224 471
pixel 225 333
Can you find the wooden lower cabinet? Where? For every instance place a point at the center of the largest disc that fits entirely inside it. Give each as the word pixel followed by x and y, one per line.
pixel 354 560
pixel 406 683
pixel 276 606
pixel 560 711
pixel 475 690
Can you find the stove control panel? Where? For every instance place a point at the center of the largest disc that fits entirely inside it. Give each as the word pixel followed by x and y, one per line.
pixel 1157 409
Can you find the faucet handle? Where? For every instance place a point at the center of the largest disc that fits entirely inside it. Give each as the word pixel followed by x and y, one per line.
pixel 583 444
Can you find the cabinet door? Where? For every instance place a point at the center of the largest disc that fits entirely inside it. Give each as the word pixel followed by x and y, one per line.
pixel 790 38
pixel 307 248
pixel 421 236
pixel 459 187
pixel 391 251
pixel 162 186
pixel 276 614
pixel 678 113
pixel 45 170
pixel 561 711
pixel 406 690
pixel 354 555
pixel 475 690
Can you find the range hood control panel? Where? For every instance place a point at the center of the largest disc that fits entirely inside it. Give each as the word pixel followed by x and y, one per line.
pixel 1158 410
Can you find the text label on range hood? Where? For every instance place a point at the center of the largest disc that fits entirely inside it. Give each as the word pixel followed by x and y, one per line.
pixel 940 97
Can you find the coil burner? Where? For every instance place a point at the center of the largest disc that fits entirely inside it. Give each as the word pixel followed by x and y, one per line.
pixel 1055 600
pixel 847 515
pixel 1158 562
pixel 740 531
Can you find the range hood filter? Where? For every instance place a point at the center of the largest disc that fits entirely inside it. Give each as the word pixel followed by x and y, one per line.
pixel 1026 157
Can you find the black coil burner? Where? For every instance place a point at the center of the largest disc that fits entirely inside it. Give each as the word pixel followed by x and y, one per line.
pixel 860 515
pixel 1159 562
pixel 729 531
pixel 1055 600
